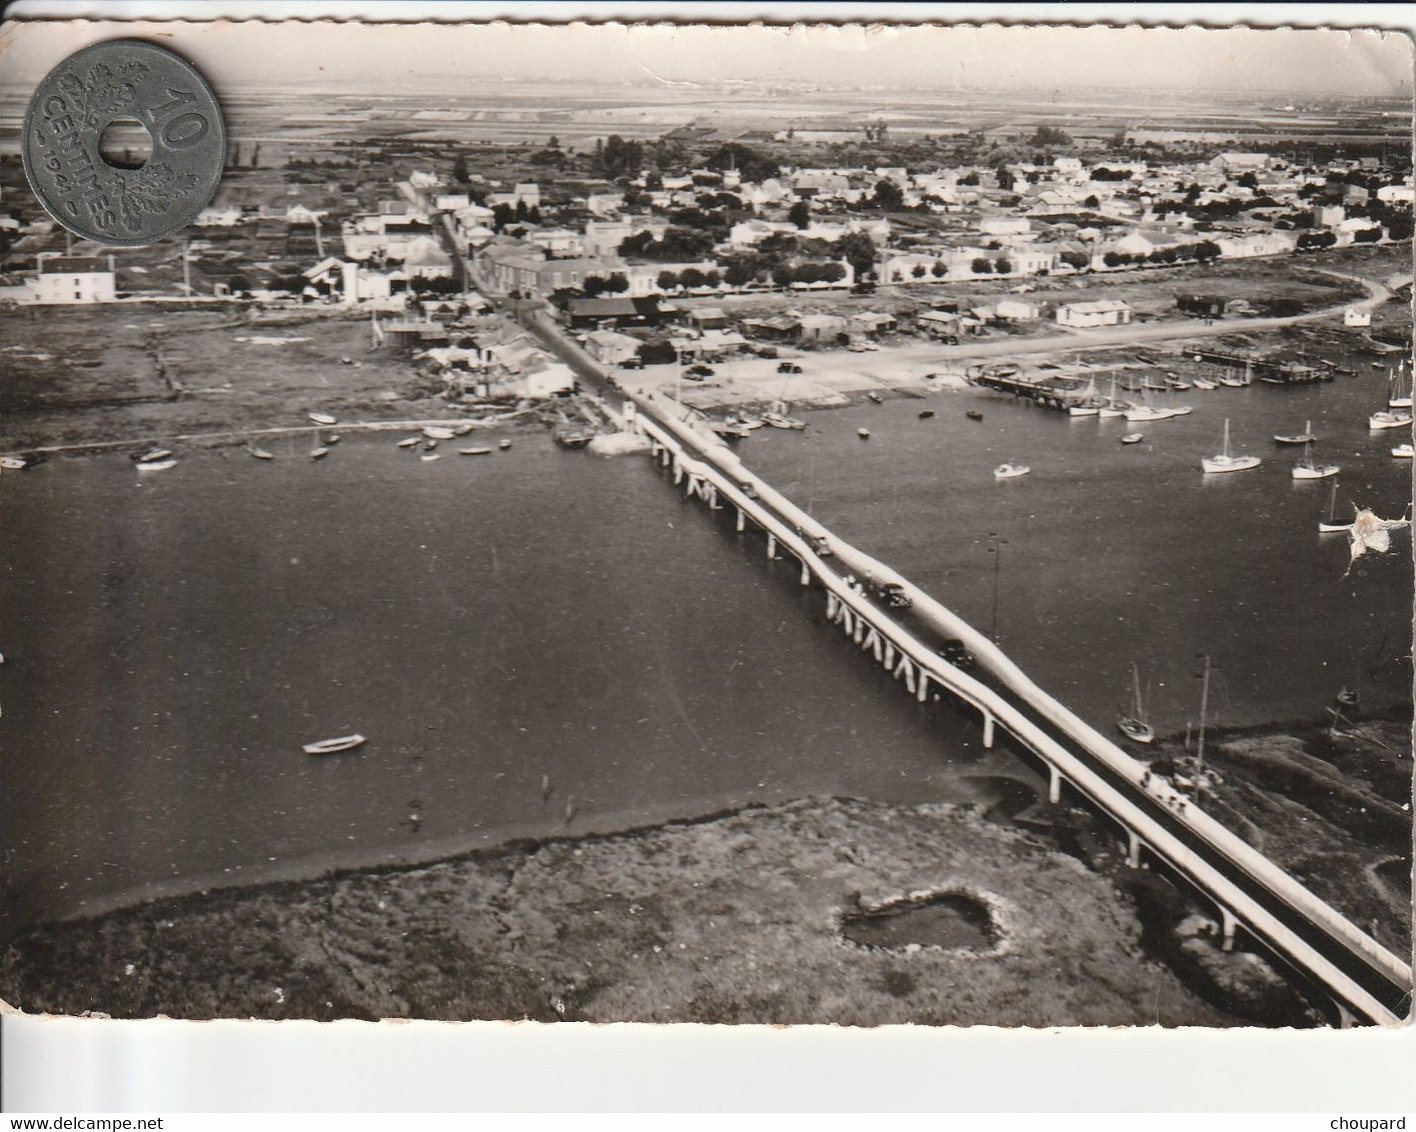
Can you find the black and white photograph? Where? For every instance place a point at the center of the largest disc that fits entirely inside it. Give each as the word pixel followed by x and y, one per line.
pixel 738 524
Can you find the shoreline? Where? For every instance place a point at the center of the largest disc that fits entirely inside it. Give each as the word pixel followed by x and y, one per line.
pixel 615 824
pixel 733 917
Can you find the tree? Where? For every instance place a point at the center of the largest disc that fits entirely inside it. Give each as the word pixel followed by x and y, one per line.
pixel 553 142
pixel 1077 260
pixel 970 178
pixel 502 215
pixel 619 157
pixel 1208 249
pixel 1092 202
pixel 981 265
pixel 667 280
pixel 740 272
pixel 1003 265
pixel 1050 136
pixel 783 275
pixel 800 214
pixel 752 165
pixel 1114 259
pixel 888 196
pixel 712 277
pixel 658 352
pixel 1005 177
pixel 939 270
pixel 832 272
pixel 857 249
pixel 691 277
pixel 919 271
pixel 1248 180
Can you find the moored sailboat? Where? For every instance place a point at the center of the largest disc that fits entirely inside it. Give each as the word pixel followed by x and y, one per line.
pixel 1133 723
pixel 1226 461
pixel 1305 469
pixel 1332 522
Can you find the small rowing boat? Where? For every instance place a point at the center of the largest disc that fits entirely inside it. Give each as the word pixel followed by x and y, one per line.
pixel 879 400
pixel 1010 471
pixel 863 433
pixel 151 454
pixel 925 414
pixel 429 458
pixel 504 444
pixel 1132 438
pixel 156 465
pixel 13 463
pixel 432 432
pixel 410 442
pixel 259 453
pixel 475 451
pixel 334 746
pixel 322 419
pixel 973 415
pixel 318 453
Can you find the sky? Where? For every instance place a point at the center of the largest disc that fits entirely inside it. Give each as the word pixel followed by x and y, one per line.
pixel 1303 61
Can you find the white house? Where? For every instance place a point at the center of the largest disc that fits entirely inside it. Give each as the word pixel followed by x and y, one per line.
pixel 1353 316
pixel 1101 312
pixel 75 279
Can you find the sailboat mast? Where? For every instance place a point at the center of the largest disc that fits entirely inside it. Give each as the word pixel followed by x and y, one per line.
pixel 1204 709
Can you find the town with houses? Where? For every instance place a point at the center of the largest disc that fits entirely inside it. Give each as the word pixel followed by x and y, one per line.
pixel 702 248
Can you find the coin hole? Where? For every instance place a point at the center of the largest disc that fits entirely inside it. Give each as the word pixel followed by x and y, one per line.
pixel 125 144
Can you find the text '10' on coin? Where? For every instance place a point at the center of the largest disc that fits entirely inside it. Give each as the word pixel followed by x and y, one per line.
pixel 124 83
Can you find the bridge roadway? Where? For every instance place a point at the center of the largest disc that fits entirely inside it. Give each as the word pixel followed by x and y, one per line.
pixel 1363 979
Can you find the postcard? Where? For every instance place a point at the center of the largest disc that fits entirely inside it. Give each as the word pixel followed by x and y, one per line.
pixel 738 524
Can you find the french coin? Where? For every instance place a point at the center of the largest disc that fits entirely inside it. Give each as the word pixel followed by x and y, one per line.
pixel 140 86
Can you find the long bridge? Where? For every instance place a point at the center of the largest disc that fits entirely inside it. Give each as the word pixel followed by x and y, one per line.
pixel 1362 979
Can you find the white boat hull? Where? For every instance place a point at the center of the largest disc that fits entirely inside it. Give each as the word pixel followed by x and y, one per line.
pixel 1010 471
pixel 1403 451
pixel 1318 472
pixel 1388 420
pixel 1217 465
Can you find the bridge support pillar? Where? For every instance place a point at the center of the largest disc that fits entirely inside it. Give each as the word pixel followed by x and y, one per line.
pixel 988 730
pixel 1133 849
pixel 771 545
pixel 1229 923
pixel 1054 785
pixel 713 504
pixel 741 520
pixel 922 686
pixel 1345 1018
pixel 805 574
pixel 832 602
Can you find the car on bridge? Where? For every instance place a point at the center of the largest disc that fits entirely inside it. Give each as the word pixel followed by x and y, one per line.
pixel 957 654
pixel 892 594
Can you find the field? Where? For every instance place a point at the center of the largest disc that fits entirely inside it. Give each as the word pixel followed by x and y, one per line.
pixel 736 918
pixel 96 374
